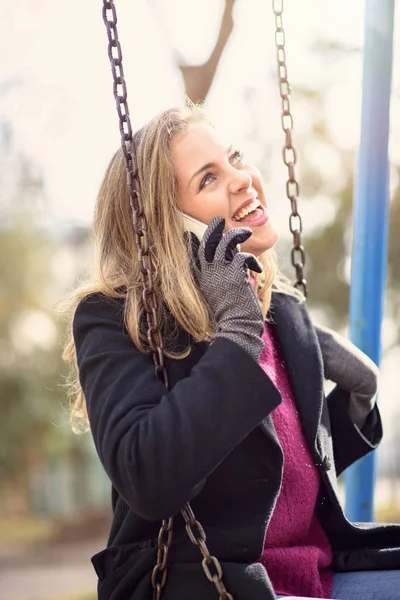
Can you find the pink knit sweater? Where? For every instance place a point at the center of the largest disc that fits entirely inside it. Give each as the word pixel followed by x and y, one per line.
pixel 296 553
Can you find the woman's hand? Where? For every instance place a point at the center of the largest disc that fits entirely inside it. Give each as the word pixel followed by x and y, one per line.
pixel 351 370
pixel 222 274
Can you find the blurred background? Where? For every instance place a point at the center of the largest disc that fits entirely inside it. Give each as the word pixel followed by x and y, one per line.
pixel 58 130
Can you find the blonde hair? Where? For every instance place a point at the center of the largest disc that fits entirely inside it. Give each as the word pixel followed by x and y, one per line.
pixel 116 269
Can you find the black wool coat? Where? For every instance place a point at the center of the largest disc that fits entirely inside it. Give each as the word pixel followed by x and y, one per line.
pixel 210 440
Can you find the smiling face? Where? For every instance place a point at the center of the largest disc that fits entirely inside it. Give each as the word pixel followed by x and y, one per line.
pixel 216 181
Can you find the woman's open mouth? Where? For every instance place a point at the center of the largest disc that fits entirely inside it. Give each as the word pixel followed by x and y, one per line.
pixel 253 214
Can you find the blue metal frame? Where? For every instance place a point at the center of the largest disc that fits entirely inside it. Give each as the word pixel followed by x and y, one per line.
pixel 370 227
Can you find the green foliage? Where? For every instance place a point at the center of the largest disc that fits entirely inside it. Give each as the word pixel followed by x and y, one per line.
pixel 394 240
pixel 27 368
pixel 327 250
pixel 30 362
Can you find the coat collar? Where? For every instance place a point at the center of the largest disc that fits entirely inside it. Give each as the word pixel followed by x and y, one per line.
pixel 300 349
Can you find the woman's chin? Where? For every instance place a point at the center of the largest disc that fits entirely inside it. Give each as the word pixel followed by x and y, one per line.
pixel 260 242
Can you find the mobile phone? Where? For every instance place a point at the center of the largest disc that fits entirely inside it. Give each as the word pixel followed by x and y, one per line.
pixel 193 225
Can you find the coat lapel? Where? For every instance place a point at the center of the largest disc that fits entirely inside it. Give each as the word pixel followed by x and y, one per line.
pixel 267 427
pixel 300 349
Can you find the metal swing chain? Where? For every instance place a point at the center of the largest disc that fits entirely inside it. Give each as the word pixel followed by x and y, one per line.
pixel 198 538
pixel 193 527
pixel 289 154
pixel 149 298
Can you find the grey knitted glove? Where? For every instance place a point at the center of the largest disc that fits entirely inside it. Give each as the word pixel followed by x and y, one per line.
pixel 352 370
pixel 222 275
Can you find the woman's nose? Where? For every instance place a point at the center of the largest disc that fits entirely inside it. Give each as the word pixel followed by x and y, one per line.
pixel 240 181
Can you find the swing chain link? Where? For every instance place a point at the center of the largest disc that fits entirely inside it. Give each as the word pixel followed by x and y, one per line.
pixel 154 335
pixel 159 574
pixel 199 539
pixel 289 153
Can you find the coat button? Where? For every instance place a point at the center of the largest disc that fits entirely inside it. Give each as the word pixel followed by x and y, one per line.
pixel 326 463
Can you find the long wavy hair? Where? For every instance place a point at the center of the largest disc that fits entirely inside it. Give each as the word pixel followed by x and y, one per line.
pixel 116 268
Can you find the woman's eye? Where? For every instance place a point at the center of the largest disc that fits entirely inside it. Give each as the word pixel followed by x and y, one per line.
pixel 236 157
pixel 207 179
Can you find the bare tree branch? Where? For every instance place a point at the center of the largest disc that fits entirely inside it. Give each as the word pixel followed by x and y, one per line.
pixel 198 79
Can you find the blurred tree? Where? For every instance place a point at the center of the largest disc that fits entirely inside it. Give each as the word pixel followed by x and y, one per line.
pixel 394 240
pixel 30 362
pixel 327 250
pixel 329 247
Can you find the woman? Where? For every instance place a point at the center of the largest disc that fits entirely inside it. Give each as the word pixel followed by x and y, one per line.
pixel 244 431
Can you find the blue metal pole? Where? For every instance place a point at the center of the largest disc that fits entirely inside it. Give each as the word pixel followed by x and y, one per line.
pixel 370 223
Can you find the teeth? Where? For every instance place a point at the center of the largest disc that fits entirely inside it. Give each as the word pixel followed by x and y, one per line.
pixel 247 210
